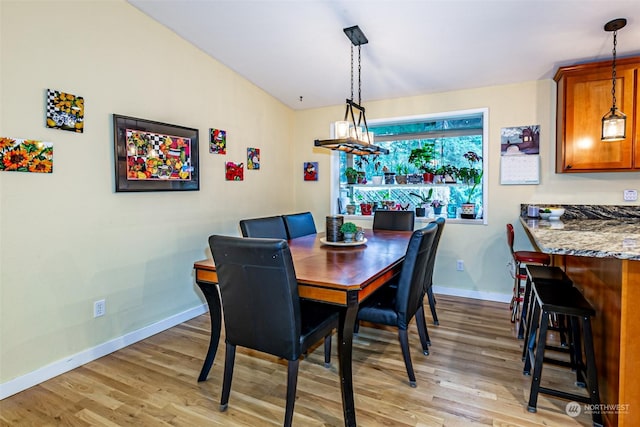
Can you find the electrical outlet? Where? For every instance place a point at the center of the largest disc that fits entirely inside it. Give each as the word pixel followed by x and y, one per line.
pixel 460 265
pixel 630 195
pixel 99 308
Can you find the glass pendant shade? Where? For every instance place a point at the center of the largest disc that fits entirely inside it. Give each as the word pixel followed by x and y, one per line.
pixel 614 125
pixel 341 130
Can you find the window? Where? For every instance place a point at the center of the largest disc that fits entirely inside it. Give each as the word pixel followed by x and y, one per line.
pixel 450 135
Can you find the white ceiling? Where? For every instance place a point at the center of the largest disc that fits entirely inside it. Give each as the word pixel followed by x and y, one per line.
pixel 295 48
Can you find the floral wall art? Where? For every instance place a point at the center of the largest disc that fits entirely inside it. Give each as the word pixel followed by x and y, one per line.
pixel 234 171
pixel 217 141
pixel 253 158
pixel 65 111
pixel 26 155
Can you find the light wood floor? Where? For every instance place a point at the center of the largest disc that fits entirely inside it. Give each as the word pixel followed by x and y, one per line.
pixel 473 376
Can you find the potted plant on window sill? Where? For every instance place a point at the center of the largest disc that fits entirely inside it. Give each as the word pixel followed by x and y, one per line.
pixel 351 174
pixel 377 177
pixel 401 175
pixel 422 159
pixel 447 174
pixel 423 202
pixel 471 177
pixel 389 177
pixel 437 206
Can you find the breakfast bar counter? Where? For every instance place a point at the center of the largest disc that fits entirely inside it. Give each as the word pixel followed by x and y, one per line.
pixel 599 249
pixel 598 238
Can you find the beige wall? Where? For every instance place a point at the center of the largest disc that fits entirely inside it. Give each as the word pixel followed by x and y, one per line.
pixel 66 239
pixel 483 248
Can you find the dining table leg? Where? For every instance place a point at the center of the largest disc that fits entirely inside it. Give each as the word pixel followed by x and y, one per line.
pixel 345 347
pixel 212 296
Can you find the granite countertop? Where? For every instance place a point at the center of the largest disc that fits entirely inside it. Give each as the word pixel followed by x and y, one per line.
pixel 597 236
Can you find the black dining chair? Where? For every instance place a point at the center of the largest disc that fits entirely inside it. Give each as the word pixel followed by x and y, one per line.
pixel 393 220
pixel 300 224
pixel 266 227
pixel 262 309
pixel 431 266
pixel 398 303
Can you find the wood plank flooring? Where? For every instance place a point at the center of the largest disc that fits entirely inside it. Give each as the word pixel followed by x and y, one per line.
pixel 473 377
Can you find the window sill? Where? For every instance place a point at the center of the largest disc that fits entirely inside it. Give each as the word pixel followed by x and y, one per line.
pixel 419 220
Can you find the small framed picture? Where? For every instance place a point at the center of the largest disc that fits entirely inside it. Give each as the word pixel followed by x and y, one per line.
pixel 65 111
pixel 253 158
pixel 310 171
pixel 217 141
pixel 234 171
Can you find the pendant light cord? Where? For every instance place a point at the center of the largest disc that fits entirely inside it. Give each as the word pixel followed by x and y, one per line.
pixel 351 72
pixel 359 81
pixel 359 71
pixel 613 74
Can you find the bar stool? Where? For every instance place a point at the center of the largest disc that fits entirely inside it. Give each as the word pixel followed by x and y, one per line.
pixel 539 274
pixel 549 299
pixel 520 258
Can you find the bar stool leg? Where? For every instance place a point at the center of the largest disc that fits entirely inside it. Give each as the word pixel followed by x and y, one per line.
pixel 525 308
pixel 575 351
pixel 528 324
pixel 592 374
pixel 539 358
pixel 530 342
pixel 515 300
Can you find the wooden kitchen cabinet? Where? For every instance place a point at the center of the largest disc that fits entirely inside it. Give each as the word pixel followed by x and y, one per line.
pixel 584 96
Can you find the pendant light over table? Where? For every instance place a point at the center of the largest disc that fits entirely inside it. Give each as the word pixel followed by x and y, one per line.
pixel 352 135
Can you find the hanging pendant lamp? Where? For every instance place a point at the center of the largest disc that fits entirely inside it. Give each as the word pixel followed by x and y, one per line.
pixel 614 123
pixel 352 135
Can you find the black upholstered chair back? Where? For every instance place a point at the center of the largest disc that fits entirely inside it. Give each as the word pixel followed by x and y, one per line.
pixel 432 256
pixel 259 294
pixel 411 281
pixel 393 220
pixel 268 227
pixel 428 281
pixel 300 224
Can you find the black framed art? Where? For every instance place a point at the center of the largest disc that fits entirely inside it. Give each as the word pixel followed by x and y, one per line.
pixel 154 156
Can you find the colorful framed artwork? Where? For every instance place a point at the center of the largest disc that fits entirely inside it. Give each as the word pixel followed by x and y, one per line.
pixel 234 171
pixel 25 155
pixel 217 141
pixel 253 158
pixel 65 111
pixel 154 156
pixel 311 171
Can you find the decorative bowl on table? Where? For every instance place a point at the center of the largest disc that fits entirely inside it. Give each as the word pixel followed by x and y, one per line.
pixel 556 213
pixel 545 215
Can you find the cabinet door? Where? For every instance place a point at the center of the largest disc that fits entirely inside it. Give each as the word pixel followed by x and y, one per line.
pixel 587 97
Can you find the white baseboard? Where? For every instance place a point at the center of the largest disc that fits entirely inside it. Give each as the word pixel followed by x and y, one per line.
pixel 47 372
pixel 467 293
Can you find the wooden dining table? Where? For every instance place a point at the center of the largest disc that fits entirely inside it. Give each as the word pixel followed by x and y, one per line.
pixel 341 276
